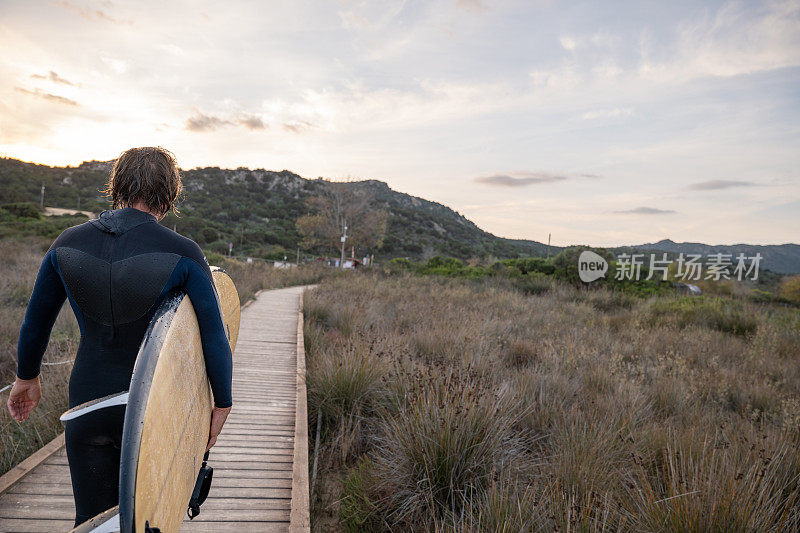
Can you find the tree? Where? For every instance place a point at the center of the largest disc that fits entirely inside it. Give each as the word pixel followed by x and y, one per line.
pixel 339 203
pixel 790 289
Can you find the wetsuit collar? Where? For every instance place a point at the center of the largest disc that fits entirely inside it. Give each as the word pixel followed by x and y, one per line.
pixel 118 221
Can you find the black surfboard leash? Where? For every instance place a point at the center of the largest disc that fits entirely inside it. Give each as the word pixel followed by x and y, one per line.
pixel 201 488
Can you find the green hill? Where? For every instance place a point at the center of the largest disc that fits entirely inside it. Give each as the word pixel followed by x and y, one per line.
pixel 257 210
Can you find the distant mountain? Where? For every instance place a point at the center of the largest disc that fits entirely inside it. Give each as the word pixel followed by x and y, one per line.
pixel 782 258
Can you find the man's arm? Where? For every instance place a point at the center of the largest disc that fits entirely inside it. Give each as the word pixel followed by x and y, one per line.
pixel 45 303
pixel 216 348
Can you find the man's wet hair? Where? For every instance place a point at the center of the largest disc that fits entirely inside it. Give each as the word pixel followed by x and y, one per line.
pixel 147 174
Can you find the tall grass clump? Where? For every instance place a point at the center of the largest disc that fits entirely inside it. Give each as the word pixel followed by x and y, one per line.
pixel 728 316
pixel 344 386
pixel 720 488
pixel 441 450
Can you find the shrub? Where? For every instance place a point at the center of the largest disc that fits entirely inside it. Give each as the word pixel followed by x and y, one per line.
pixel 747 488
pixel 209 235
pixel 527 265
pixel 343 384
pixel 722 314
pixel 533 285
pixel 790 289
pixel 439 453
pixel 214 258
pixel 358 511
pixel 507 508
pixel 23 209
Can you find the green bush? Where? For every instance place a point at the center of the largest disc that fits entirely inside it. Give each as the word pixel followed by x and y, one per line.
pixel 533 284
pixel 209 235
pixel 790 289
pixel 23 209
pixel 358 512
pixel 721 314
pixel 214 258
pixel 527 265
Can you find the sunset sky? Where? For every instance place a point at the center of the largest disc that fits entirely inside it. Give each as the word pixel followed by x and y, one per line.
pixel 603 123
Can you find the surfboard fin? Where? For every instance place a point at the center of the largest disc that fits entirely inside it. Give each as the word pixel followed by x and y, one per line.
pixel 105 522
pixel 120 398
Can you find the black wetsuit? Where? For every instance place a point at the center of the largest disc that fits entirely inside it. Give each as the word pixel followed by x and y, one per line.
pixel 115 271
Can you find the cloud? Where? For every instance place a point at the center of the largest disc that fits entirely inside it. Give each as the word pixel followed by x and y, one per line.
pixel 608 113
pixel 297 126
pixel 568 43
pixel 738 38
pixel 470 5
pixel 252 122
pixel 52 76
pixel 716 185
pixel 117 65
pixel 90 14
pixel 47 96
pixel 201 122
pixel 525 178
pixel 646 211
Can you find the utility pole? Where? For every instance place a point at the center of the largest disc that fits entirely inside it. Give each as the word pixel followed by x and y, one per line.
pixel 241 240
pixel 344 238
pixel 548 246
pixel 298 256
pixel 41 202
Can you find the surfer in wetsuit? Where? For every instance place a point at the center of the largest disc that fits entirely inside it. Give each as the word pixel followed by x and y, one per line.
pixel 115 271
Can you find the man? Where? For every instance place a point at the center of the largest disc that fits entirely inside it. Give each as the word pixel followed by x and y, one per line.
pixel 116 270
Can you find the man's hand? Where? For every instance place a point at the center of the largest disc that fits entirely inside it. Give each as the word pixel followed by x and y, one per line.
pixel 218 416
pixel 24 397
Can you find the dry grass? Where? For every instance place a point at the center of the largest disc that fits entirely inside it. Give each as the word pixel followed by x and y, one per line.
pixel 20 263
pixel 453 405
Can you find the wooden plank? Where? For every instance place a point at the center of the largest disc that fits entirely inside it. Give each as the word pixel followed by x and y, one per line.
pixel 26 466
pixel 253 465
pixel 212 505
pixel 27 525
pixel 243 515
pixel 234 527
pixel 250 473
pixel 222 488
pixel 46 511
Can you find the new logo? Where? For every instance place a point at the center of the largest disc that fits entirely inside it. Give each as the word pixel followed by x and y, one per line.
pixel 591 266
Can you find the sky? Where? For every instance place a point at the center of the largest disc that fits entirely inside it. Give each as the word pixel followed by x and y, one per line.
pixel 601 123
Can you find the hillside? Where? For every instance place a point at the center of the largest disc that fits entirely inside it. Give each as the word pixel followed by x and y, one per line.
pixel 257 210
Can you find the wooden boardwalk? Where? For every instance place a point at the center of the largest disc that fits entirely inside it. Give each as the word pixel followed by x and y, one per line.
pixel 260 459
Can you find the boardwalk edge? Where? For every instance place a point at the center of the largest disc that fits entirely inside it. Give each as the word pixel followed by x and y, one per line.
pixel 299 516
pixel 35 459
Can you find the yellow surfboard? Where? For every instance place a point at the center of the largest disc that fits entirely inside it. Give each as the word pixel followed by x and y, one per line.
pixel 168 413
